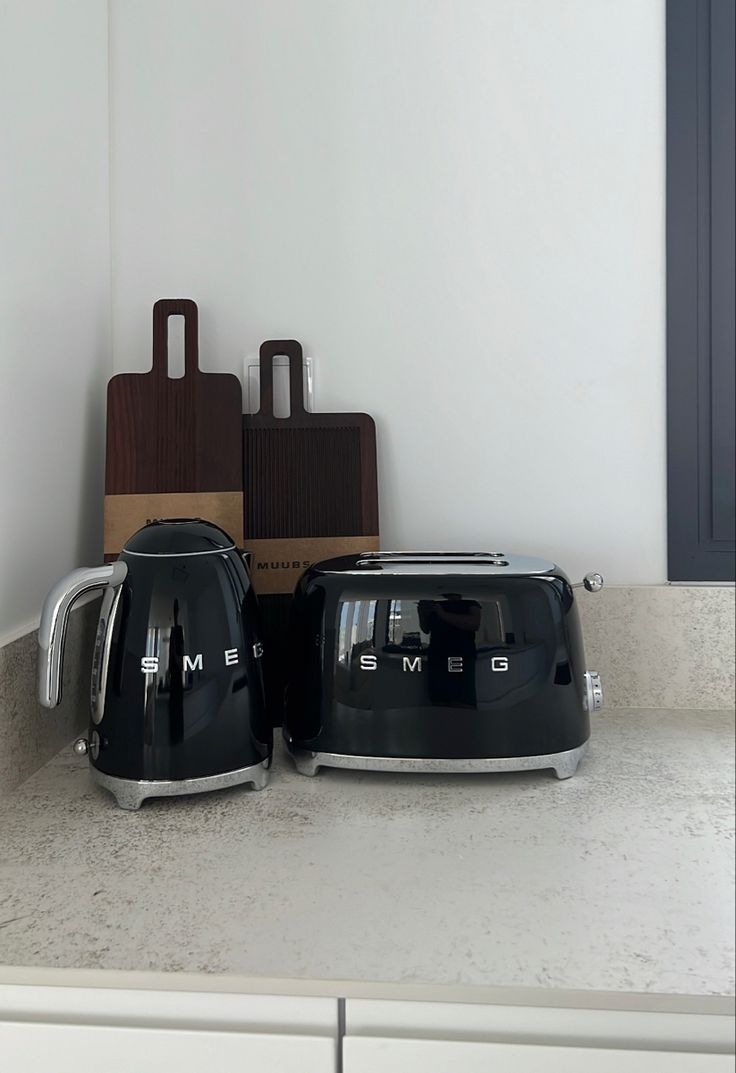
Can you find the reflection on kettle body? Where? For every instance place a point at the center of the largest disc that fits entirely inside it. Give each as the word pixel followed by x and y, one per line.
pixel 452 624
pixel 176 679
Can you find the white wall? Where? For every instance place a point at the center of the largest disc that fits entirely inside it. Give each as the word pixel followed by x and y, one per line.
pixel 457 207
pixel 54 295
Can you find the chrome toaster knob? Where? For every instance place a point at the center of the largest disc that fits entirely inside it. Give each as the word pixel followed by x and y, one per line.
pixel 593 582
pixel 81 747
pixel 593 701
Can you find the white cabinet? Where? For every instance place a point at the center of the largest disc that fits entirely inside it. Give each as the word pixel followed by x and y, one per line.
pixel 438 1037
pixel 85 1030
pixel 53 1048
pixel 441 1056
pixel 45 1029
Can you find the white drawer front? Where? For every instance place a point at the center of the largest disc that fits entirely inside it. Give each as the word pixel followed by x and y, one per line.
pixel 370 1055
pixel 545 1025
pixel 34 1047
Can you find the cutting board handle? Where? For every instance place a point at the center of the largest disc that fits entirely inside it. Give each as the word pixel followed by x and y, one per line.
pixel 175 307
pixel 291 349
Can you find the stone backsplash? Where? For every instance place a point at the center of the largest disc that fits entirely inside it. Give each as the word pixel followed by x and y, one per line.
pixel 29 734
pixel 662 646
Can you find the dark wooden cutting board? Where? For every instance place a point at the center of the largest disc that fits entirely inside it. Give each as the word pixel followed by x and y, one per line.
pixel 311 492
pixel 174 445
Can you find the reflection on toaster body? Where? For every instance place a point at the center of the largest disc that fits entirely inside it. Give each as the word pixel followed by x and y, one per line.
pixel 448 652
pixel 451 625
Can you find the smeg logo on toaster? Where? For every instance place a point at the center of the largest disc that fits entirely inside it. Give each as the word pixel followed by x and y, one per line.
pixel 412 664
pixel 150 664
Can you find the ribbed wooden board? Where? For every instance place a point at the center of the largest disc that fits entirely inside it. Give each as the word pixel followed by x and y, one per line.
pixel 174 446
pixel 311 493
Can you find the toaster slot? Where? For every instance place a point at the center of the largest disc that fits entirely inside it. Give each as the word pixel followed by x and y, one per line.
pixel 434 563
pixel 429 556
pixel 449 558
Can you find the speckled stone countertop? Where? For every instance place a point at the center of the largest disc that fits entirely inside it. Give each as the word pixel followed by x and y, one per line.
pixel 620 879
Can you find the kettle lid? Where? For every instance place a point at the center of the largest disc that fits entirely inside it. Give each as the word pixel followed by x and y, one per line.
pixel 178 536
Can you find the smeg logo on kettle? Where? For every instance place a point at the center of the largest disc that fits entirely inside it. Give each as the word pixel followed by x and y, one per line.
pixel 150 664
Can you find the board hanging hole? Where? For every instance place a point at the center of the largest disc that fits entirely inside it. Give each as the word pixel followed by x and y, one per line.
pixel 175 347
pixel 281 395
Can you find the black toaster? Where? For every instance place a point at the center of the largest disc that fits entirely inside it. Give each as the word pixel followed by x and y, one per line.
pixel 450 661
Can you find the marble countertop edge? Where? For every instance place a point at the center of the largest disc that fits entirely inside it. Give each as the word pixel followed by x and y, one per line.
pixel 232 983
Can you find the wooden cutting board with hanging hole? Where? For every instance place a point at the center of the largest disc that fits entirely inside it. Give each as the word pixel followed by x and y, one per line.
pixel 311 492
pixel 174 445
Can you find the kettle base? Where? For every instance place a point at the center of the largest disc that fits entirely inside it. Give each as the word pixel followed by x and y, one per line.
pixel 564 764
pixel 131 793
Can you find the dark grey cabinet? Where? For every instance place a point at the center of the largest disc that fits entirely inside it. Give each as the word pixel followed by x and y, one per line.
pixel 701 289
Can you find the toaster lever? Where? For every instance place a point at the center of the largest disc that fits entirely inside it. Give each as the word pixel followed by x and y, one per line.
pixel 592 582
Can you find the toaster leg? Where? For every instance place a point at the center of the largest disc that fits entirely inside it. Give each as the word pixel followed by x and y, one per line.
pixel 305 763
pixel 130 799
pixel 261 776
pixel 567 763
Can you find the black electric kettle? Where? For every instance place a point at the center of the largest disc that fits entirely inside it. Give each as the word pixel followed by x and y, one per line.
pixel 176 700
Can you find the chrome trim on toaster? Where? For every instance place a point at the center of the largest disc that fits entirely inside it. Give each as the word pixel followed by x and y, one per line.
pixel 131 793
pixel 472 563
pixel 564 764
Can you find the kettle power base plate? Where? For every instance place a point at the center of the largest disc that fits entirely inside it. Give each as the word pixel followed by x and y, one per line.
pixel 563 764
pixel 131 793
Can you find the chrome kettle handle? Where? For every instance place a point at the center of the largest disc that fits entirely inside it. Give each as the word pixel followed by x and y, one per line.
pixel 54 619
